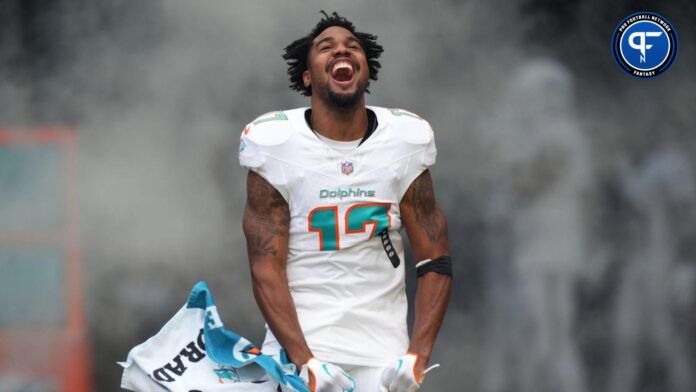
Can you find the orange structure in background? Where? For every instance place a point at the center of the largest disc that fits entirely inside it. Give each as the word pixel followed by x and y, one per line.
pixel 44 345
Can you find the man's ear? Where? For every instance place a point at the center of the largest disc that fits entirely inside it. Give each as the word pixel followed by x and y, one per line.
pixel 306 78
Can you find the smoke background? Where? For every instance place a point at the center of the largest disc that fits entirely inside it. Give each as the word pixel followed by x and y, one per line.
pixel 569 186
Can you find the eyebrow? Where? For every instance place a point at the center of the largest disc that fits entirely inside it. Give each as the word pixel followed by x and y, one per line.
pixel 327 39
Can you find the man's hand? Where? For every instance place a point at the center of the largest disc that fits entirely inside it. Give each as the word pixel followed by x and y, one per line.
pixel 404 375
pixel 326 377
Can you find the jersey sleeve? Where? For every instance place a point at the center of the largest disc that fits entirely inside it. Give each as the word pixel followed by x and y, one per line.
pixel 254 156
pixel 423 157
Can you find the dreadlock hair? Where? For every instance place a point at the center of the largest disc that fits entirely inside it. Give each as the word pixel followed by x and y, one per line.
pixel 297 52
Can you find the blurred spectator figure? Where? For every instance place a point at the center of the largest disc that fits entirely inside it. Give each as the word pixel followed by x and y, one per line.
pixel 656 285
pixel 539 172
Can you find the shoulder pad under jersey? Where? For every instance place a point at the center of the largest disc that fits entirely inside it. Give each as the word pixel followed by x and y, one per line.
pixel 269 129
pixel 407 126
pixel 413 140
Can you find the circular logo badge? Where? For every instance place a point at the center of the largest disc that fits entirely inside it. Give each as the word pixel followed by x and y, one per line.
pixel 644 44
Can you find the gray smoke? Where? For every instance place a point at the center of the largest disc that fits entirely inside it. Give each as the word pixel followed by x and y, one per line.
pixel 568 185
pixel 541 171
pixel 656 283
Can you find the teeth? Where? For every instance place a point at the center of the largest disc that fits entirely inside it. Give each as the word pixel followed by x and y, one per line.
pixel 341 64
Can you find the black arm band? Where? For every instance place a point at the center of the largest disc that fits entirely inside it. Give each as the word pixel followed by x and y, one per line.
pixel 442 265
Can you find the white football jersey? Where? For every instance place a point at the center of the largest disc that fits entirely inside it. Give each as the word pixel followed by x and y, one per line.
pixel 345 262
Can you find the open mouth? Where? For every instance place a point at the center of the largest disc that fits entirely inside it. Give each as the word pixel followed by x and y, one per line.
pixel 342 71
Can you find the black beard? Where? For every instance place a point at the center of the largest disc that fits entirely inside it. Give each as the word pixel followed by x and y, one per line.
pixel 343 101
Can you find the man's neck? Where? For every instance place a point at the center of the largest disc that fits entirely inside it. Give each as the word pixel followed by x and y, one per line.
pixel 339 124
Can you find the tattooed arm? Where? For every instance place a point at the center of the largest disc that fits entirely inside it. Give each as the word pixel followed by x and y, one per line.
pixel 427 232
pixel 266 227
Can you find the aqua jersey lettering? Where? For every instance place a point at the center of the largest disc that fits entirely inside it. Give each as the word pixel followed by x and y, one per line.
pixel 343 193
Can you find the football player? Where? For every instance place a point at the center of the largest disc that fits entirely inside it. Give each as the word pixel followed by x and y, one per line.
pixel 329 189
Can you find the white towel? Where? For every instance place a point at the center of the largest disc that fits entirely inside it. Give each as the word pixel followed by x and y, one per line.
pixel 194 352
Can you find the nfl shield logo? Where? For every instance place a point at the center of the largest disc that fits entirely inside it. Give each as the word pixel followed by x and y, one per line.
pixel 346 167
